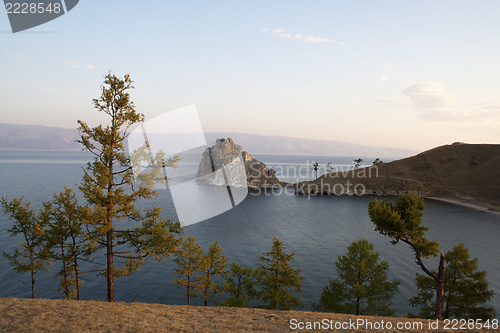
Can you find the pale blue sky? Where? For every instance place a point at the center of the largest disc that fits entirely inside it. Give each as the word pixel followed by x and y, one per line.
pixel 412 74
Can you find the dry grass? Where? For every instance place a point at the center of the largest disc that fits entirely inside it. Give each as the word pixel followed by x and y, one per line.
pixel 27 315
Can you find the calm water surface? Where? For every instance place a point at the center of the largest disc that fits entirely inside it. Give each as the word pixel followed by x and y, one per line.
pixel 317 229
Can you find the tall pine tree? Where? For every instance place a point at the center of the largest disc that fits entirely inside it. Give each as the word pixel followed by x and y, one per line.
pixel 115 224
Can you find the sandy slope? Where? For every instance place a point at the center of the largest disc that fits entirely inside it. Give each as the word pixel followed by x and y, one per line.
pixel 27 315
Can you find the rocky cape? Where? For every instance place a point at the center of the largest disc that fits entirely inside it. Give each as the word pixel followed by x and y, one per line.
pixel 463 173
pixel 225 163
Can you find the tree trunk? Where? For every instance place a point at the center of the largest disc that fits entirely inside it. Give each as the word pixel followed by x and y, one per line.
pixel 187 292
pixel 438 314
pixel 75 262
pixel 33 284
pixel 77 280
pixel 32 275
pixel 110 268
pixel 65 272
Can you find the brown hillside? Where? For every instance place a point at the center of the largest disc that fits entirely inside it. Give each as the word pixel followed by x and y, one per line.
pixel 467 173
pixel 27 315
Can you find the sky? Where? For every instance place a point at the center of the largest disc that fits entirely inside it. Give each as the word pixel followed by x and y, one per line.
pixel 406 74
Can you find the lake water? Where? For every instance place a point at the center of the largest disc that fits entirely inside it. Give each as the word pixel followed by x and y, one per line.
pixel 318 229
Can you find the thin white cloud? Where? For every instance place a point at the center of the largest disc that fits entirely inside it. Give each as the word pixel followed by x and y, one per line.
pixel 264 30
pixel 303 38
pixel 89 66
pixel 383 78
pixel 340 117
pixel 386 66
pixel 17 54
pixel 342 45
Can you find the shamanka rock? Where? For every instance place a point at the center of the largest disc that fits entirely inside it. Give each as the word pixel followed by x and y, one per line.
pixel 225 163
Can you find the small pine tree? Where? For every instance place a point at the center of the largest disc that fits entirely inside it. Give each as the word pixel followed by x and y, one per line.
pixel 357 163
pixel 276 277
pixel 315 168
pixel 214 263
pixel 362 287
pixel 465 289
pixel 240 284
pixel 189 259
pixel 31 257
pixel 65 239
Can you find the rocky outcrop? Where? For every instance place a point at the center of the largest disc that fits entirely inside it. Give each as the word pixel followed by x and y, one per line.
pixel 225 163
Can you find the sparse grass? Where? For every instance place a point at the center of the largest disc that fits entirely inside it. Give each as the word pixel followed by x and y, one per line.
pixel 27 315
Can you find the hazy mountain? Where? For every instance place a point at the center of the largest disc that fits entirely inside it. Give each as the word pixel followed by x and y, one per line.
pixel 36 137
pixel 269 144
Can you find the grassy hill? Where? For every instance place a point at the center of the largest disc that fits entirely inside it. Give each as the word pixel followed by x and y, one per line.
pixel 27 315
pixel 468 173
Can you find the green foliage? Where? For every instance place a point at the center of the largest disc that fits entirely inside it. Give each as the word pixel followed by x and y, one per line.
pixel 214 263
pixel 465 289
pixel 362 287
pixel 31 257
pixel 377 161
pixel 276 279
pixel 240 284
pixel 189 259
pixel 65 239
pixel 402 221
pixel 113 221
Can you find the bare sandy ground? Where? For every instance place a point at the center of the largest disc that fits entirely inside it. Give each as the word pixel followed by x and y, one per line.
pixel 42 315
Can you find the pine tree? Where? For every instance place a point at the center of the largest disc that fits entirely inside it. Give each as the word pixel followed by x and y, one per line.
pixel 402 221
pixel 465 289
pixel 214 263
pixel 189 259
pixel 362 287
pixel 240 284
pixel 31 257
pixel 114 222
pixel 65 239
pixel 276 279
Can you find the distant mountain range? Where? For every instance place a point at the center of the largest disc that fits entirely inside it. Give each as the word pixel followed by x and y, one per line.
pixel 36 137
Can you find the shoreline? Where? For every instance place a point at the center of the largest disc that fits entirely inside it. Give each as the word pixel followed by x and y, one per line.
pixel 465 204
